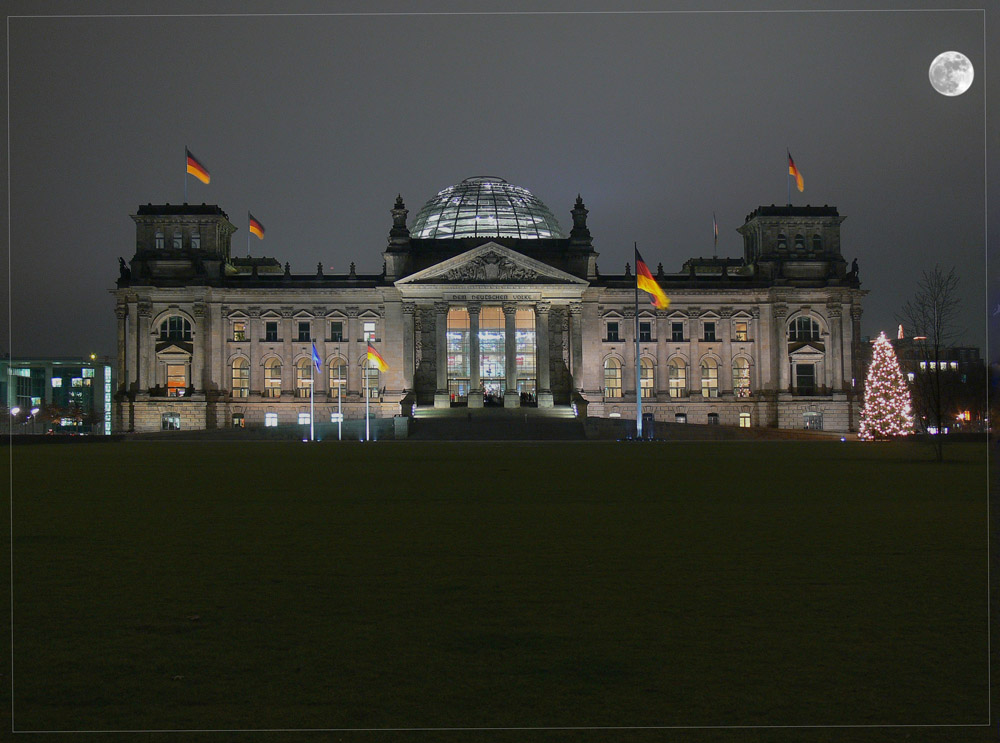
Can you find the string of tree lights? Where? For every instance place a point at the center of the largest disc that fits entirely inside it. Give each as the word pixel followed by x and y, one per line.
pixel 888 410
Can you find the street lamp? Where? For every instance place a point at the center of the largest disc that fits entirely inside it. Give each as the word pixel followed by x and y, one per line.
pixel 34 412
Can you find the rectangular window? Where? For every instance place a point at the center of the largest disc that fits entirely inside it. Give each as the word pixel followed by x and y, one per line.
pixel 740 332
pixel 270 420
pixel 336 331
pixel 239 331
pixel 369 330
pixel 812 421
pixel 271 331
pixel 303 419
pixel 304 336
pixel 713 419
pixel 645 332
pixel 88 373
pixel 709 328
pixel 744 420
pixel 176 380
pixel 805 379
pixel 680 418
pixel 57 381
pixel 613 332
pixel 677 332
pixel 170 422
pixel 238 420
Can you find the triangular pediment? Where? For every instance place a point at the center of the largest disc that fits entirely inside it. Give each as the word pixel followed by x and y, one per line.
pixel 806 350
pixel 493 264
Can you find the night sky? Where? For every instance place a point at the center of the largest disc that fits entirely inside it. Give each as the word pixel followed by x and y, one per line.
pixel 314 123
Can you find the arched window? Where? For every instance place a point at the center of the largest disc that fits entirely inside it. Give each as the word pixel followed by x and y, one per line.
pixel 782 241
pixel 158 240
pixel 371 379
pixel 175 328
pixel 677 378
pixel 195 241
pixel 241 377
pixel 272 378
pixel 803 328
pixel 817 243
pixel 800 242
pixel 177 240
pixel 709 378
pixel 612 378
pixel 646 377
pixel 741 377
pixel 303 373
pixel 338 377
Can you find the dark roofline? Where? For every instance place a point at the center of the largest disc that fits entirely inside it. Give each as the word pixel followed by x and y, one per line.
pixel 155 210
pixel 786 210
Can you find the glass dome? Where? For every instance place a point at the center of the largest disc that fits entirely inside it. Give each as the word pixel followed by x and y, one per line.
pixel 485 207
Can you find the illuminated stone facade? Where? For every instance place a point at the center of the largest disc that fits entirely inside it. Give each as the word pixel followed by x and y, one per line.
pixel 209 340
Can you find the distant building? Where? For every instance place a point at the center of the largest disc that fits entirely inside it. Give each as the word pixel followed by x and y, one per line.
pixel 72 395
pixel 484 300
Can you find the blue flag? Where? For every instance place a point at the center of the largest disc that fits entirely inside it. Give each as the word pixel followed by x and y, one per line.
pixel 319 366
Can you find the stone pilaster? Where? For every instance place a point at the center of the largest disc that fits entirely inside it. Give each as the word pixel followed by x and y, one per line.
pixel 780 346
pixel 200 346
pixel 576 344
pixel 121 314
pixel 254 334
pixel 441 397
pixel 145 350
pixel 475 383
pixel 510 398
pixel 353 351
pixel 287 362
pixel 694 334
pixel 660 381
pixel 542 364
pixel 630 388
pixel 409 308
pixel 726 372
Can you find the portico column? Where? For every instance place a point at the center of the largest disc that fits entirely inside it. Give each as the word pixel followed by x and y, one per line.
pixel 510 397
pixel 726 372
pixel 662 334
pixel 288 373
pixel 576 344
pixel 199 347
pixel 441 396
pixel 835 354
pixel 629 387
pixel 254 334
pixel 121 312
pixel 408 342
pixel 542 354
pixel 144 347
pixel 131 380
pixel 781 347
pixel 353 369
pixel 475 393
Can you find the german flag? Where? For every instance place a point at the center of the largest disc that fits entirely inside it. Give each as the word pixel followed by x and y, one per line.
pixel 792 170
pixel 195 168
pixel 646 282
pixel 374 357
pixel 256 228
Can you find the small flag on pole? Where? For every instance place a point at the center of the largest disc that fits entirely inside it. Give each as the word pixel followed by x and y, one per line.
pixel 376 357
pixel 256 228
pixel 196 168
pixel 319 365
pixel 715 228
pixel 792 170
pixel 646 282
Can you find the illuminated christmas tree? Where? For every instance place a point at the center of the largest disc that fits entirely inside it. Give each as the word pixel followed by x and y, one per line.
pixel 888 411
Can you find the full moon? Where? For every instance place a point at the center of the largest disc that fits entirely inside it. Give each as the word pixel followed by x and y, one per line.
pixel 951 73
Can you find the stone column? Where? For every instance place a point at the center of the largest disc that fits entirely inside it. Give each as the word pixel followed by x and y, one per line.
pixel 630 388
pixel 781 347
pixel 694 335
pixel 408 346
pixel 441 396
pixel 201 343
pixel 576 344
pixel 287 362
pixel 143 348
pixel 510 398
pixel 836 351
pixel 121 313
pixel 131 380
pixel 726 372
pixel 756 352
pixel 317 331
pixel 661 382
pixel 353 369
pixel 475 383
pixel 856 373
pixel 542 364
pixel 254 333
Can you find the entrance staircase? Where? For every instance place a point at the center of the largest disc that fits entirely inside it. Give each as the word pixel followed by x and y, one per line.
pixel 496 424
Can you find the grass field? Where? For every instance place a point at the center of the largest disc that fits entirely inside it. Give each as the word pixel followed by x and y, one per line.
pixel 166 585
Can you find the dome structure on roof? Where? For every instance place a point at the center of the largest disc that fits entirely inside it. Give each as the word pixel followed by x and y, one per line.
pixel 485 207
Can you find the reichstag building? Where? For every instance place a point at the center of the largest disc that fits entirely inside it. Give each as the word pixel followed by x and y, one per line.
pixel 485 300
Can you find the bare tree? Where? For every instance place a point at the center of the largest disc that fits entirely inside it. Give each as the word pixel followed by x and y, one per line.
pixel 931 315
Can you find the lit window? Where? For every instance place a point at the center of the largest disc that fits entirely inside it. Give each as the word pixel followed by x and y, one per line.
pixel 88 372
pixel 57 381
pixel 238 420
pixel 170 422
pixel 303 377
pixel 953 364
pixel 646 377
pixel 304 332
pixel 272 378
pixel 677 332
pixel 910 376
pixel 338 376
pixel 239 331
pixel 371 380
pixel 741 377
pixel 812 421
pixel 270 420
pixel 645 332
pixel 740 333
pixel 680 418
pixel 612 378
pixel 303 419
pixel 612 332
pixel 175 328
pixel 744 420
pixel 336 331
pixel 709 328
pixel 677 378
pixel 176 380
pixel 369 330
pixel 923 364
pixel 241 377
pixel 709 378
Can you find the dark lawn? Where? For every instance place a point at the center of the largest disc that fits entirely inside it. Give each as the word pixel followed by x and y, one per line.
pixel 165 585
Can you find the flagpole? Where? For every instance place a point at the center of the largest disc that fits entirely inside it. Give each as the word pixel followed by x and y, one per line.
pixel 340 413
pixel 248 233
pixel 367 397
pixel 312 395
pixel 185 174
pixel 788 176
pixel 638 366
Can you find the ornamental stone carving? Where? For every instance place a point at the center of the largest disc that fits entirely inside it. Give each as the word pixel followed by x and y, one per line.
pixel 409 308
pixel 833 310
pixel 121 311
pixel 441 308
pixel 287 311
pixel 253 311
pixel 145 309
pixel 509 308
pixel 543 308
pixel 576 309
pixel 725 312
pixel 352 311
pixel 491 267
pixel 198 310
pixel 694 312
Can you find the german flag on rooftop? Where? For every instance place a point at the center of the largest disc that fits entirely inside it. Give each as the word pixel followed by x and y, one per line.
pixel 646 282
pixel 256 228
pixel 196 168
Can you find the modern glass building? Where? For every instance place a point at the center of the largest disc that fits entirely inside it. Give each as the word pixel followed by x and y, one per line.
pixel 70 395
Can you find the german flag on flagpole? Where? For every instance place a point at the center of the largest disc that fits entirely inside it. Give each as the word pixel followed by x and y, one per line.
pixel 376 357
pixel 196 168
pixel 792 170
pixel 645 281
pixel 256 228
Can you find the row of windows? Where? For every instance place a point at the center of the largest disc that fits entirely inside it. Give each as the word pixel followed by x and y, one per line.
pixel 172 421
pixel 177 241
pixel 613 334
pixel 677 378
pixel 304 331
pixel 800 242
pixel 336 377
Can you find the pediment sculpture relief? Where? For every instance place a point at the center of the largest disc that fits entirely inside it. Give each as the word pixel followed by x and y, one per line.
pixel 491 267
